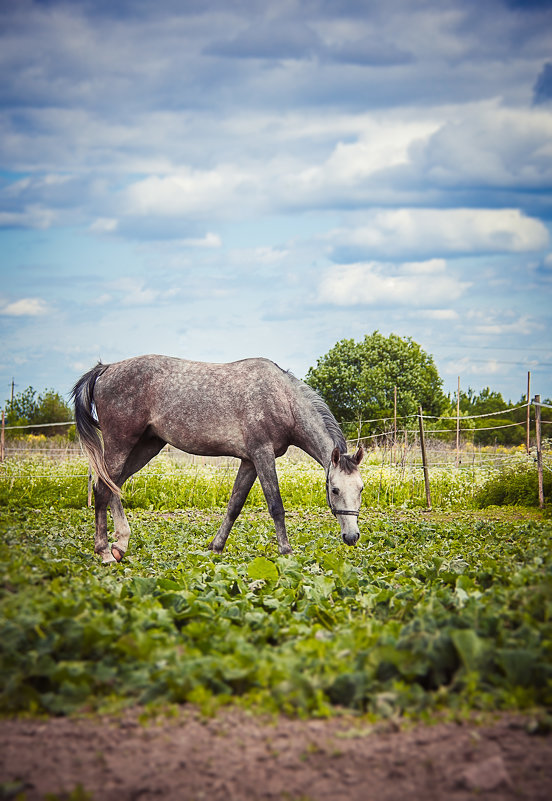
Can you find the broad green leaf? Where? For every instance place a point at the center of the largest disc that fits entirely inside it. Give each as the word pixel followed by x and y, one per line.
pixel 262 569
pixel 471 648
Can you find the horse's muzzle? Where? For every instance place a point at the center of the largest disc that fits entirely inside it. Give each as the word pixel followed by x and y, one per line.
pixel 351 539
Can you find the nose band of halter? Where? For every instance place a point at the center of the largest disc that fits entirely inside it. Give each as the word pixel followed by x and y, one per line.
pixel 334 511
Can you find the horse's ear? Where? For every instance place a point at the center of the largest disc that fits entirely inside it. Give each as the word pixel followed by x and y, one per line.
pixel 336 456
pixel 359 455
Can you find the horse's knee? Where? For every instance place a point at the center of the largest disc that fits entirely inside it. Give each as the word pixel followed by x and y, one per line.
pixel 276 510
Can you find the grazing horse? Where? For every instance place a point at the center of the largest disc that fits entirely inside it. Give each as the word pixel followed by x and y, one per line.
pixel 250 409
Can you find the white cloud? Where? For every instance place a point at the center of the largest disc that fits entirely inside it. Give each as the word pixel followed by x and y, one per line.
pixel 32 216
pixel 497 323
pixel 381 143
pixel 101 300
pixel 466 366
pixel 441 231
pixel 423 284
pixel 134 292
pixel 104 225
pixel 439 314
pixel 487 145
pixel 210 240
pixel 25 307
pixel 187 192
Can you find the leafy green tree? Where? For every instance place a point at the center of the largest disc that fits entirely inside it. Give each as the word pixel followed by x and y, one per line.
pixel 28 408
pixel 357 380
pixel 485 403
pixel 22 408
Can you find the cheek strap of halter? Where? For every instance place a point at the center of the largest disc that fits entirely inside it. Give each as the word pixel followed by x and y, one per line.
pixel 333 510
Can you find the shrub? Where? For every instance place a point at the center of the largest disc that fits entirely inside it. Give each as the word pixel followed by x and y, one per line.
pixel 514 486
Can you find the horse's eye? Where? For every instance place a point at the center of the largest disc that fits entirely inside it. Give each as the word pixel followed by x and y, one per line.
pixel 335 491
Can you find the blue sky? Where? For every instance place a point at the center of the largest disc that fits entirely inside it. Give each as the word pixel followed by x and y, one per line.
pixel 222 179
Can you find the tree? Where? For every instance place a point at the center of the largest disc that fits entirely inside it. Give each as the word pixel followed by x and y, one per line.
pixel 22 408
pixel 357 380
pixel 486 402
pixel 28 408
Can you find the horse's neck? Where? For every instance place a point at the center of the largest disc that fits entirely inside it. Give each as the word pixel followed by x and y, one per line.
pixel 315 440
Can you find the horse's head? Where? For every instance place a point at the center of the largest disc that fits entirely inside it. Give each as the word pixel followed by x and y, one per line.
pixel 343 489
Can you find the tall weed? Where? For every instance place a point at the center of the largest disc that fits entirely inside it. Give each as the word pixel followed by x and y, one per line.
pixel 168 484
pixel 514 485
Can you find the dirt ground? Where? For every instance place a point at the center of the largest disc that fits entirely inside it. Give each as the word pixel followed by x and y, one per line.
pixel 238 756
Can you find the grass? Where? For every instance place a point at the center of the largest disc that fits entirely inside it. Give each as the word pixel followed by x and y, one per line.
pixel 449 611
pixel 445 610
pixel 167 484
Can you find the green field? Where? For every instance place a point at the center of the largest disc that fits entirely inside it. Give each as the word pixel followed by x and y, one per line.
pixel 444 610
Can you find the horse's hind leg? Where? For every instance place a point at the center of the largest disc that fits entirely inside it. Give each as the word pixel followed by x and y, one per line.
pixel 243 483
pixel 145 449
pixel 122 528
pixel 102 494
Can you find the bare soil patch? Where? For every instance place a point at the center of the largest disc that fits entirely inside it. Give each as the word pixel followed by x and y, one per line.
pixel 239 756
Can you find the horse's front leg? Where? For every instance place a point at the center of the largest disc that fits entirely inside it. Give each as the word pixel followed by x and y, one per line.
pixel 265 465
pixel 102 495
pixel 243 483
pixel 122 528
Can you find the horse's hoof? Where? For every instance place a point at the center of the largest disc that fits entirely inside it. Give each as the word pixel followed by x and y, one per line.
pixel 117 553
pixel 107 558
pixel 286 550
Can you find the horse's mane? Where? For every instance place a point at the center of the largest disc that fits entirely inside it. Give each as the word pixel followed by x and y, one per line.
pixel 320 405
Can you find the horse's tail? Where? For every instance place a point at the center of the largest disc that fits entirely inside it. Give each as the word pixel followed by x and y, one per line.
pixel 87 425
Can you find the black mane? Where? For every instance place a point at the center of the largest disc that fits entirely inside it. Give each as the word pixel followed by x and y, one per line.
pixel 332 426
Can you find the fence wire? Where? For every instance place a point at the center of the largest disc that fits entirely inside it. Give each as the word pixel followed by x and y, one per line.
pixel 396 449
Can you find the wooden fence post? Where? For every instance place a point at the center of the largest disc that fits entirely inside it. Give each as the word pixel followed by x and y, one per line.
pixel 528 446
pixel 2 438
pixel 394 416
pixel 424 459
pixel 458 424
pixel 539 449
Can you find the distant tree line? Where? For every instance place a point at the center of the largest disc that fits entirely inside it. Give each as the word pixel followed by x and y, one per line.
pixel 489 430
pixel 30 408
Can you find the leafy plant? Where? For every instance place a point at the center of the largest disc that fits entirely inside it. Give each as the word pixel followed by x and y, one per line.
pixel 425 613
pixel 514 486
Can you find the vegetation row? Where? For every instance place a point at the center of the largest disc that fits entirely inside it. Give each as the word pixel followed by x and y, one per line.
pixel 168 485
pixel 425 614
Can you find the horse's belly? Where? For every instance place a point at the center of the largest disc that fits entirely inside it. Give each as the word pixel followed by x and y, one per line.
pixel 212 440
pixel 218 434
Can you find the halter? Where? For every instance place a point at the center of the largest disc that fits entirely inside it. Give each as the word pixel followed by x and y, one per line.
pixel 334 511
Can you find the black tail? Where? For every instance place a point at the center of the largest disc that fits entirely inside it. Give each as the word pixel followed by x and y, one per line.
pixel 87 425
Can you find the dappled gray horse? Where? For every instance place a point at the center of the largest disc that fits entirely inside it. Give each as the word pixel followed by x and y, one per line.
pixel 249 409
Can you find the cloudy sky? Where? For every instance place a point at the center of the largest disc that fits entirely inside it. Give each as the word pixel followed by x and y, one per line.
pixel 217 179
